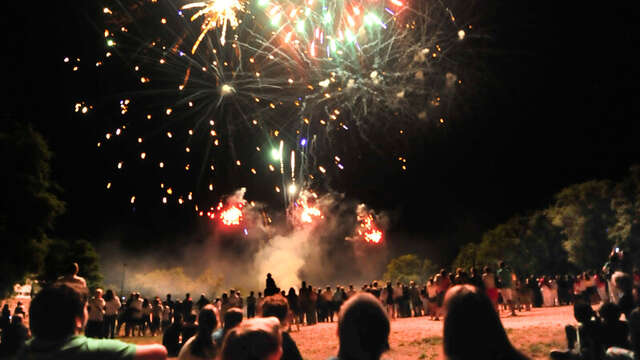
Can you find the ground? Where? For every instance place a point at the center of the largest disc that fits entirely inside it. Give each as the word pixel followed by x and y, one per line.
pixel 534 333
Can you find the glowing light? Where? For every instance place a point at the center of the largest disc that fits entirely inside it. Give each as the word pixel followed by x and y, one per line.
pixel 227 90
pixel 232 215
pixel 368 230
pixel 292 189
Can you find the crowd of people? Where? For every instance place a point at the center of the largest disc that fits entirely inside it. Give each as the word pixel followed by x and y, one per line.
pixel 65 320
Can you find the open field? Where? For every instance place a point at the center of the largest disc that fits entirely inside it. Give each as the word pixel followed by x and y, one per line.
pixel 535 333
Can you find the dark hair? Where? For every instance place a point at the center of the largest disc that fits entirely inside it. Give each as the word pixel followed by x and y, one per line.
pixel 53 312
pixel 203 345
pixel 72 269
pixel 582 311
pixel 254 339
pixel 634 330
pixel 232 318
pixel 277 306
pixel 109 295
pixel 609 312
pixel 472 328
pixel 363 328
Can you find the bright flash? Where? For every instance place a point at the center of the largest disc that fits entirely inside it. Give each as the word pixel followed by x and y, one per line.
pixel 227 90
pixel 216 13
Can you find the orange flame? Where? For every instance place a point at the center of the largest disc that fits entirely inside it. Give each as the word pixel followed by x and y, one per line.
pixel 368 229
pixel 310 211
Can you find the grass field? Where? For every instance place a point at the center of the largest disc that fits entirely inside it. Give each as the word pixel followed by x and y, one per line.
pixel 534 333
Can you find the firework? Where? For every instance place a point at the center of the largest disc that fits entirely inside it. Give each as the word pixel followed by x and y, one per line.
pixel 230 212
pixel 216 13
pixel 305 209
pixel 297 75
pixel 367 228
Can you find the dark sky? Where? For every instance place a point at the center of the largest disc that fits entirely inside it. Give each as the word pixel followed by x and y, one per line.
pixel 555 102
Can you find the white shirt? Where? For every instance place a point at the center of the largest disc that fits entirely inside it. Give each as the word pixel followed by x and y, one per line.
pixel 112 306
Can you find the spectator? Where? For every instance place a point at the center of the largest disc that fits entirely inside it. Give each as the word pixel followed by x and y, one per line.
pixel 614 331
pixel 254 339
pixel 616 353
pixel 70 276
pixel 187 305
pixel 171 336
pixel 57 333
pixel 166 316
pixel 278 306
pixel 363 329
pixel 111 308
pixel 271 287
pixel 95 325
pixel 202 302
pixel 472 329
pixel 251 305
pixel 585 341
pixel 5 318
pixel 232 318
pixel 13 337
pixel 189 328
pixel 505 275
pixel 157 313
pixel 202 346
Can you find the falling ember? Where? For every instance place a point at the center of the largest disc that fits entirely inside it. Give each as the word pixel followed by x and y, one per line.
pixel 216 13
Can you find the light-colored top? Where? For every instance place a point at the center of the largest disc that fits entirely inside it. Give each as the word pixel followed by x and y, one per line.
pixel 96 309
pixel 112 306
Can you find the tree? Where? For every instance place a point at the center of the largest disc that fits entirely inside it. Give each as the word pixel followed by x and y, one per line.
pixel 583 212
pixel 529 244
pixel 625 233
pixel 60 254
pixel 29 204
pixel 408 268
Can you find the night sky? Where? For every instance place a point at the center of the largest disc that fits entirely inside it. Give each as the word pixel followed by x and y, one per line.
pixel 555 102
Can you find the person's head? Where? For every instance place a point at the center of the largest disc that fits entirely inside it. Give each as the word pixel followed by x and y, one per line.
pixel 58 311
pixel 269 276
pixel 609 312
pixel 232 318
pixel 375 284
pixel 203 345
pixel 350 286
pixel 472 328
pixel 72 269
pixel 276 306
pixel 109 295
pixel 582 311
pixel 363 328
pixel 202 297
pixel 98 293
pixel 187 295
pixel 168 297
pixel 253 339
pixel 501 264
pixel 145 302
pixel 232 292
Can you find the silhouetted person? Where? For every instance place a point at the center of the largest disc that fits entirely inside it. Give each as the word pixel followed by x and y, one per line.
pixel 617 353
pixel 278 306
pixel 585 341
pixel 202 346
pixel 70 276
pixel 472 328
pixel 187 305
pixel 363 329
pixel 614 331
pixel 251 305
pixel 5 318
pixel 189 328
pixel 57 334
pixel 171 336
pixel 14 336
pixel 271 288
pixel 254 339
pixel 202 302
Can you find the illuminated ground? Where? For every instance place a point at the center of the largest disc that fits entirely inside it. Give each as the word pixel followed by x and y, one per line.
pixel 534 333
